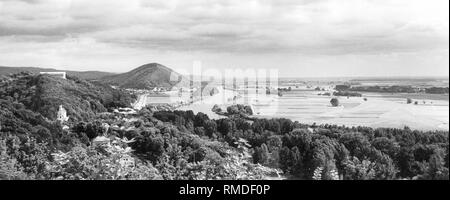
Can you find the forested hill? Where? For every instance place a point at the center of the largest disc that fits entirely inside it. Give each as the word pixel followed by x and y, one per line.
pixel 147 77
pixel 44 94
pixel 87 75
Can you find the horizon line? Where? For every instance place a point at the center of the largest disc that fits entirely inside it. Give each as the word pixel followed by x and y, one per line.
pixel 280 77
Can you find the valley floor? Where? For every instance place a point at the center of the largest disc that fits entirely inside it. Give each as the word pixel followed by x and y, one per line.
pixel 380 110
pixel 377 111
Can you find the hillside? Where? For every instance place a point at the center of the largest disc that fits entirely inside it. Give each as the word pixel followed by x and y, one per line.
pixel 181 145
pixel 87 75
pixel 147 77
pixel 43 94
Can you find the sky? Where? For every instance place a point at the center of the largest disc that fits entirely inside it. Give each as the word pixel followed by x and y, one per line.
pixel 300 38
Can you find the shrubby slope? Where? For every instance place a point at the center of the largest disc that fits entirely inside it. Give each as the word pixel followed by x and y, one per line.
pixel 147 77
pixel 81 98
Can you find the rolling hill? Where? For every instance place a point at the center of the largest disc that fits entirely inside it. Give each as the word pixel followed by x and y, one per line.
pixel 44 94
pixel 147 77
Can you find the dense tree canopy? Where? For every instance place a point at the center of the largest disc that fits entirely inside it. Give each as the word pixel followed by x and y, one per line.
pixel 96 144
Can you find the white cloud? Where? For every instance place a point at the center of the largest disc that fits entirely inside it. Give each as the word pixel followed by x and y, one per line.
pixel 216 27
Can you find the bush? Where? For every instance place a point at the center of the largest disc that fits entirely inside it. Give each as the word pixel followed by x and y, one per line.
pixel 334 102
pixel 409 101
pixel 239 109
pixel 106 159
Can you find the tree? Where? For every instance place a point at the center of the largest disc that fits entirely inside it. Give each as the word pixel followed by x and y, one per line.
pixel 10 168
pixel 334 102
pixel 285 159
pixel 405 162
pixel 216 108
pixel 286 125
pixel 200 119
pixel 248 110
pixel 210 127
pixel 274 143
pixel 94 129
pixel 296 161
pixel 386 146
pixel 261 155
pixel 225 126
pixel 200 131
pixel 437 169
pixel 357 144
pixel 233 109
pixel 409 101
pixel 359 170
pixel 342 87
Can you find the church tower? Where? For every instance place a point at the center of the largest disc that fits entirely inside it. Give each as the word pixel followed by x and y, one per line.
pixel 62 114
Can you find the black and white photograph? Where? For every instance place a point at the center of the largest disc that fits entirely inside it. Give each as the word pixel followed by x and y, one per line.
pixel 275 90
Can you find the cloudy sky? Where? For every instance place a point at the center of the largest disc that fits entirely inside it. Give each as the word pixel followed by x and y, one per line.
pixel 309 38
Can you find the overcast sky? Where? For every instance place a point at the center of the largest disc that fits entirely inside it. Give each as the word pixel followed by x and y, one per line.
pixel 310 38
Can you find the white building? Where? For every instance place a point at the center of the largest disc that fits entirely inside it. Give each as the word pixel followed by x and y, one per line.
pixel 62 114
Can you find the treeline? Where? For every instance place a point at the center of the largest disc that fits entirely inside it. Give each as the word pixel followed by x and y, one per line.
pixel 392 89
pixel 437 90
pixel 119 147
pixel 385 89
pixel 184 145
pixel 238 110
pixel 347 94
pixel 333 152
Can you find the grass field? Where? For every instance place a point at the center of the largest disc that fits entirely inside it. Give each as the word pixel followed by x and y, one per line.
pixel 377 111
